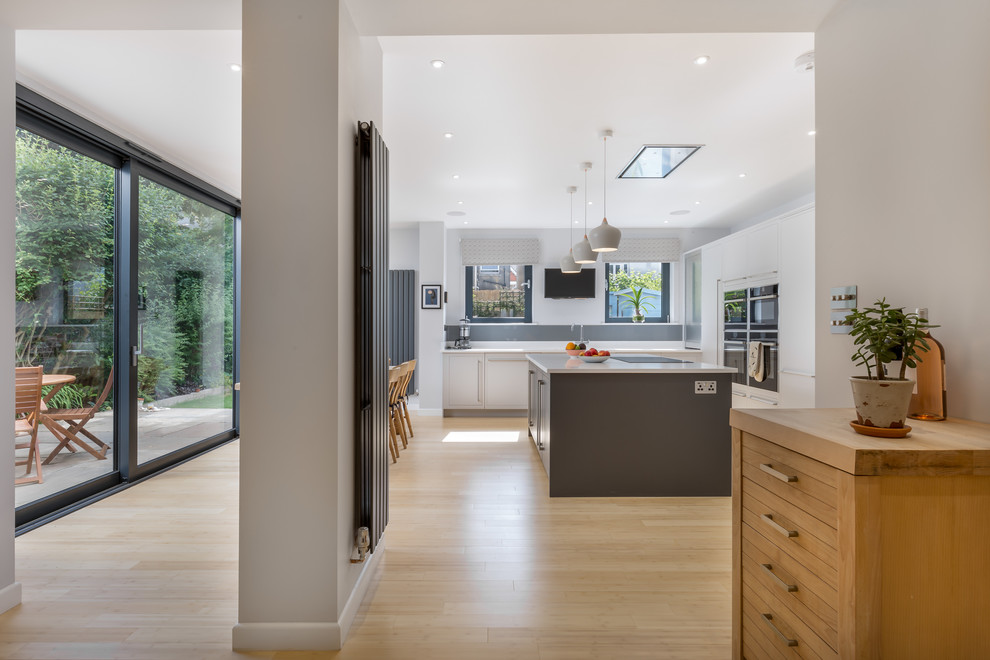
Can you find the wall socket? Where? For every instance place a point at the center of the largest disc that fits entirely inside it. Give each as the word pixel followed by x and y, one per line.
pixel 704 387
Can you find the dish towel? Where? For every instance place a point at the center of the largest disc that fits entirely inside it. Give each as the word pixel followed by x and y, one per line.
pixel 756 364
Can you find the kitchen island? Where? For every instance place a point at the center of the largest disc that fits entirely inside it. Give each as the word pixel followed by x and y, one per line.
pixel 652 426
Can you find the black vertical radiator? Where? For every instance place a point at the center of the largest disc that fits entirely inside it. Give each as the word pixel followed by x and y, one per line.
pixel 402 318
pixel 371 321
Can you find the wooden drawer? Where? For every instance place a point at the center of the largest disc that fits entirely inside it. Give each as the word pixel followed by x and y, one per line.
pixel 784 635
pixel 806 483
pixel 801 592
pixel 806 538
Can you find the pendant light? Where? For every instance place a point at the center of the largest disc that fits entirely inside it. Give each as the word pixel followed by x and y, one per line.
pixel 567 263
pixel 605 237
pixel 583 254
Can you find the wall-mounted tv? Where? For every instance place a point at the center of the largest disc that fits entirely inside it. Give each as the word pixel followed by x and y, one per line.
pixel 569 285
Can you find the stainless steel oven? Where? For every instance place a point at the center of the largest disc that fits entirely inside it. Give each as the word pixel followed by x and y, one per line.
pixel 734 309
pixel 763 310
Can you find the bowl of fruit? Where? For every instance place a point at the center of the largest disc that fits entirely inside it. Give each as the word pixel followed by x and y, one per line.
pixel 573 348
pixel 594 355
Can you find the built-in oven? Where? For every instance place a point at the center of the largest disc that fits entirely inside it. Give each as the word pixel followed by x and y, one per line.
pixel 764 375
pixel 734 309
pixel 763 310
pixel 734 354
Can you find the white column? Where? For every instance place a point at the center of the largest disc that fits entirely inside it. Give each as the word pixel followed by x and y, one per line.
pixel 430 328
pixel 290 403
pixel 10 591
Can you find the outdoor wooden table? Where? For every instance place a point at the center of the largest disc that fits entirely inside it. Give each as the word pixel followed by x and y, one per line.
pixel 57 381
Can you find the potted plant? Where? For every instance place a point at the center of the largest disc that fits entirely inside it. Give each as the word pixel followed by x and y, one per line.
pixel 639 301
pixel 883 335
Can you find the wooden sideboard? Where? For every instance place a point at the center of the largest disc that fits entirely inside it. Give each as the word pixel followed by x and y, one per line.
pixel 848 546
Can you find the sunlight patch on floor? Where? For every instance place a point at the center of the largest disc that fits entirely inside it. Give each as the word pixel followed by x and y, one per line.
pixel 482 436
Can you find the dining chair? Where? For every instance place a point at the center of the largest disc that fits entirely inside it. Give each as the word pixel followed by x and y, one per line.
pixel 76 419
pixel 410 366
pixel 394 376
pixel 395 407
pixel 27 408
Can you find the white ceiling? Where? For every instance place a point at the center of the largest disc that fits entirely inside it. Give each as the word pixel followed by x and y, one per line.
pixel 525 111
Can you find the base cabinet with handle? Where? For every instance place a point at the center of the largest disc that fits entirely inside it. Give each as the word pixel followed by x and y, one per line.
pixel 464 381
pixel 848 546
pixel 485 381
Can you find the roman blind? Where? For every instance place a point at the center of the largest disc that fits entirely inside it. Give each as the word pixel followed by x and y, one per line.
pixel 497 251
pixel 645 249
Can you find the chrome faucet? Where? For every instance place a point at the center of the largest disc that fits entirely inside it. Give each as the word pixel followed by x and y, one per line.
pixel 580 330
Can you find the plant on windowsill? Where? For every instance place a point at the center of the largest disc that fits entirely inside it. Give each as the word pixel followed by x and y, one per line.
pixel 884 334
pixel 639 302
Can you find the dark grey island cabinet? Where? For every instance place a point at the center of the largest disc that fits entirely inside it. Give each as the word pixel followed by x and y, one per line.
pixel 631 429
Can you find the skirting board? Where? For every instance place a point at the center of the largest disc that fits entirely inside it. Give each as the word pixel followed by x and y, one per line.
pixel 10 596
pixel 328 636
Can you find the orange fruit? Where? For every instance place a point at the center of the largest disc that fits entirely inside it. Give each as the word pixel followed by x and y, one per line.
pixel 570 346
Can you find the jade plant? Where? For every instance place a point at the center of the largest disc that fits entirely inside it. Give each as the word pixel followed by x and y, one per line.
pixel 883 334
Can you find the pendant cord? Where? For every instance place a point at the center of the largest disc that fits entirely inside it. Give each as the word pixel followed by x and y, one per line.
pixel 570 225
pixel 604 176
pixel 586 201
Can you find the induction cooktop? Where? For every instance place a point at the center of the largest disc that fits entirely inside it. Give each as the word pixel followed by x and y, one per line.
pixel 636 359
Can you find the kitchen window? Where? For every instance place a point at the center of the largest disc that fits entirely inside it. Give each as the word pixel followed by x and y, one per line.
pixel 625 278
pixel 498 294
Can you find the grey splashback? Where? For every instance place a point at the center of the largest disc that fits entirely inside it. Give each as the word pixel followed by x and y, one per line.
pixel 607 332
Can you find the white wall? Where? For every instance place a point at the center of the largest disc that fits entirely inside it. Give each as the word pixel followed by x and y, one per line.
pixel 403 248
pixel 553 245
pixel 10 591
pixel 429 322
pixel 903 165
pixel 297 501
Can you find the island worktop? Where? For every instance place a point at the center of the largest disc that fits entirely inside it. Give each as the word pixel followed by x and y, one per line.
pixel 563 363
pixel 628 429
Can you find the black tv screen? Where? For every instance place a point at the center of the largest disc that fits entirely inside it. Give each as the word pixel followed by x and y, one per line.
pixel 569 285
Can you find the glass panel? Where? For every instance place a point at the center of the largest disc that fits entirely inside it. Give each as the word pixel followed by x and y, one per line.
pixel 657 161
pixel 64 250
pixel 498 292
pixel 185 320
pixel 692 300
pixel 624 280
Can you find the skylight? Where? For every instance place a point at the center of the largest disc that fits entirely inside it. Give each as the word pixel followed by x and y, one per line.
pixel 656 161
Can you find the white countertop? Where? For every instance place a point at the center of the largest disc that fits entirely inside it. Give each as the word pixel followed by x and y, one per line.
pixel 553 363
pixel 558 347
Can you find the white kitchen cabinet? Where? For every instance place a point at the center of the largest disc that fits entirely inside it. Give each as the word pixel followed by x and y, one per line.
pixel 505 381
pixel 711 304
pixel 797 311
pixel 762 246
pixel 734 262
pixel 464 381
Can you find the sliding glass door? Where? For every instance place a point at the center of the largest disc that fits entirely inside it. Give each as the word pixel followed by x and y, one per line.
pixel 185 320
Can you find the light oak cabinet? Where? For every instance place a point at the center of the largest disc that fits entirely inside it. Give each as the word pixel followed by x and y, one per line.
pixel 846 546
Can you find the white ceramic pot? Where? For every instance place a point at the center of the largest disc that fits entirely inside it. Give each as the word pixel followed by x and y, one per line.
pixel 881 403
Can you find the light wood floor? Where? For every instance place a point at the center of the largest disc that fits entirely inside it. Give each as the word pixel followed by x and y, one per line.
pixel 480 564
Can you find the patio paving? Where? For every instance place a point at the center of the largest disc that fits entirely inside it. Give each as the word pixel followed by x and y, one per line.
pixel 160 432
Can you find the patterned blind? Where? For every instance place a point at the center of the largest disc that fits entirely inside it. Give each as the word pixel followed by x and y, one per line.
pixel 496 251
pixel 645 249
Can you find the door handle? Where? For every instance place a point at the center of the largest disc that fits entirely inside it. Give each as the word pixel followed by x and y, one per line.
pixel 139 349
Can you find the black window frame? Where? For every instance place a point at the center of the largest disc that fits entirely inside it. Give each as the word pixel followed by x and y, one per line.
pixel 665 270
pixel 527 286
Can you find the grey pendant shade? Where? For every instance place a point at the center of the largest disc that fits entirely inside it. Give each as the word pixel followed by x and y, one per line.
pixel 583 254
pixel 567 263
pixel 604 237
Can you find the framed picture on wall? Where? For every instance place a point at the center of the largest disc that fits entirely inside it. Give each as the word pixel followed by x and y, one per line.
pixel 431 297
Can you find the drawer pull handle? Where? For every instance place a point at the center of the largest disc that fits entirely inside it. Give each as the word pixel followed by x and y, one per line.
pixel 786 478
pixel 789 533
pixel 768 619
pixel 768 569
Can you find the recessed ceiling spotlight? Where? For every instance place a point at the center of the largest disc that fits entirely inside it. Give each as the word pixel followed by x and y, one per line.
pixel 465 222
pixel 742 176
pixel 812 133
pixel 698 202
pixel 448 135
pixel 436 64
pixel 235 67
pixel 456 176
pixel 459 202
pixel 590 203
pixel 701 59
pixel 680 212
pixel 666 222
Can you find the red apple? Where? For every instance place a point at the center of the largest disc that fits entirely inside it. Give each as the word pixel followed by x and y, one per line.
pixel 605 353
